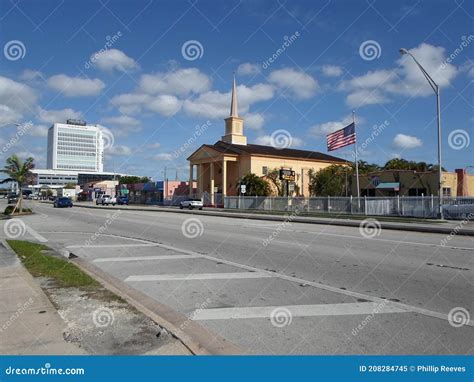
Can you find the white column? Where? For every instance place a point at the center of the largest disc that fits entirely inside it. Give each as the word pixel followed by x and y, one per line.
pixel 190 180
pixel 211 168
pixel 224 179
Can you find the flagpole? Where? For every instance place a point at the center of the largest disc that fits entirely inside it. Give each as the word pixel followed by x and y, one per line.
pixel 356 161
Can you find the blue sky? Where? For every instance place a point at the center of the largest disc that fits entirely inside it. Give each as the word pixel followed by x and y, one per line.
pixel 151 92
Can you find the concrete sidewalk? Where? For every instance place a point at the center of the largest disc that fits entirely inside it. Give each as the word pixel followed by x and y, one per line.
pixel 452 227
pixel 29 323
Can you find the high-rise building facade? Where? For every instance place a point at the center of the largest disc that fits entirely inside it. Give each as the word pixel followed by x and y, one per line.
pixel 76 146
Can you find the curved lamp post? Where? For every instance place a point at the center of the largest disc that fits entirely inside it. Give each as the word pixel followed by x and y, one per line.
pixel 436 89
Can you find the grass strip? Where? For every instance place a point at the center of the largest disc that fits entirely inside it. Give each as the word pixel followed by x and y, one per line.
pixel 41 264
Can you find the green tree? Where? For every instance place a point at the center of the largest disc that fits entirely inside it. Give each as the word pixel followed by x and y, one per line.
pixel 255 186
pixel 133 179
pixel 70 185
pixel 329 181
pixel 19 172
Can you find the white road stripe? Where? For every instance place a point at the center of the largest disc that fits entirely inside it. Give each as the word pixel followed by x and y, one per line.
pixel 139 258
pixel 364 308
pixel 200 276
pixel 111 245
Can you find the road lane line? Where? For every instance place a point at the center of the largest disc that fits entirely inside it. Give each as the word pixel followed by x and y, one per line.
pixel 140 258
pixel 110 245
pixel 344 309
pixel 36 235
pixel 199 276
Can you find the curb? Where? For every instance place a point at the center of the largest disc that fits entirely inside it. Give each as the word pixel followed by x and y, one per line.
pixel 458 230
pixel 195 337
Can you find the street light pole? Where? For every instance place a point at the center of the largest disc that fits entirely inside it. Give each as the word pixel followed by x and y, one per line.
pixel 436 89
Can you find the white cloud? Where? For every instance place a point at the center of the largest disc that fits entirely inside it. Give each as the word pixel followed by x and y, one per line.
pixel 249 69
pixel 38 130
pixel 16 99
pixel 30 75
pixel 57 116
pixel 363 97
pixel 332 70
pixel 254 121
pixel 163 156
pixel 119 150
pixel 376 87
pixel 130 103
pixel 8 115
pixel 214 104
pixel 155 145
pixel 298 83
pixel 113 59
pixel 122 120
pixel 166 105
pixel 75 86
pixel 323 129
pixel 178 82
pixel 267 140
pixel 123 125
pixel 402 141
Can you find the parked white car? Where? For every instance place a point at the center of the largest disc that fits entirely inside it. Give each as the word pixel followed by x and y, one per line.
pixel 191 204
pixel 105 200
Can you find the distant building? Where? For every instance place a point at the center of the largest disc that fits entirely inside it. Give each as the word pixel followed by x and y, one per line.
pixel 75 146
pixel 414 183
pixel 168 192
pixel 220 166
pixel 63 177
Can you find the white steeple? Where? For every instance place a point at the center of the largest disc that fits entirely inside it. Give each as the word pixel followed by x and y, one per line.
pixel 234 126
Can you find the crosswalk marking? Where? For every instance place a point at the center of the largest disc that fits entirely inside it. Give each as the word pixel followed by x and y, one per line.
pixel 140 258
pixel 200 276
pixel 363 308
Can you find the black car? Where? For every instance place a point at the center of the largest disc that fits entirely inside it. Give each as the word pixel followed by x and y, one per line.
pixel 62 202
pixel 12 198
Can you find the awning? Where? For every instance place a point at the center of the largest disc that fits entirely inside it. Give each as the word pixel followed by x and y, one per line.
pixel 389 186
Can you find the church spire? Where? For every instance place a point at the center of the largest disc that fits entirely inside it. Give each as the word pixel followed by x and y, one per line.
pixel 234 125
pixel 233 105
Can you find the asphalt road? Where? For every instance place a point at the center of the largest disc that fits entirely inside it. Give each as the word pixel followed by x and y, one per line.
pixel 282 287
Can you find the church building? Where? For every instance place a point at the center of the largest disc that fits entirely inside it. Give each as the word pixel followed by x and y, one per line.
pixel 217 168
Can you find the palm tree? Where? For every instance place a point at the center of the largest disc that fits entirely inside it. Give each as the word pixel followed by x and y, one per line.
pixel 256 186
pixel 19 172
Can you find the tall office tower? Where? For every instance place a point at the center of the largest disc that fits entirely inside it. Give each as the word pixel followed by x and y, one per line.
pixel 74 145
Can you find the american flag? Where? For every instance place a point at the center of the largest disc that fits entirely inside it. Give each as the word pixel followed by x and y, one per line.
pixel 342 137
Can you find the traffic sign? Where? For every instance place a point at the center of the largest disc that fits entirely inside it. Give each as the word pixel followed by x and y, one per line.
pixel 243 188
